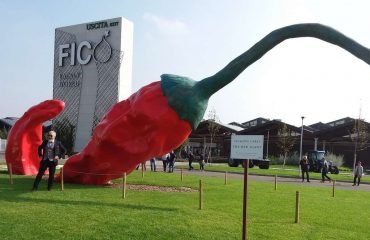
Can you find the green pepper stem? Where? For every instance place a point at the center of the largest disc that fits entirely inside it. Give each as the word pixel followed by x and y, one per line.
pixel 212 84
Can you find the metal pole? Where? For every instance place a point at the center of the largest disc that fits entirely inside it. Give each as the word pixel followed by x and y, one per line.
pixel 245 200
pixel 300 149
pixel 267 144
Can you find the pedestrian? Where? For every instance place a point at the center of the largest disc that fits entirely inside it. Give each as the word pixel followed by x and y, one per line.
pixel 357 173
pixel 143 166
pixel 201 162
pixel 164 160
pixel 171 161
pixel 50 151
pixel 191 159
pixel 305 167
pixel 324 170
pixel 153 166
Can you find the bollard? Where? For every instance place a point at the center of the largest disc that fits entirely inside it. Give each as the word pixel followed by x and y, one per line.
pixel 62 179
pixel 182 175
pixel 296 207
pixel 10 171
pixel 225 177
pixel 333 188
pixel 200 195
pixel 275 182
pixel 124 179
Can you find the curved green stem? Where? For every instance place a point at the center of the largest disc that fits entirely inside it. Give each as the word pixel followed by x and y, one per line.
pixel 210 85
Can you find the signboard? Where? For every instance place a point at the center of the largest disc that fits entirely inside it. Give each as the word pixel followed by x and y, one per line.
pixel 92 72
pixel 247 147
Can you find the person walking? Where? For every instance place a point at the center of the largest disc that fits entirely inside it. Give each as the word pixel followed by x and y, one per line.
pixel 50 151
pixel 191 159
pixel 153 166
pixel 164 160
pixel 171 161
pixel 357 173
pixel 201 162
pixel 324 171
pixel 304 167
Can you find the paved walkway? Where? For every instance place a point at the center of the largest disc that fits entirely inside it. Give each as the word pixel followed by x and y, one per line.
pixel 288 180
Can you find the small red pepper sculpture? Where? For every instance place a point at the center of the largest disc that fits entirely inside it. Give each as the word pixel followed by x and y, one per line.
pixel 26 135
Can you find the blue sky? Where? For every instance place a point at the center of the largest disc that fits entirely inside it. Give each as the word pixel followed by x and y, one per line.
pixel 196 38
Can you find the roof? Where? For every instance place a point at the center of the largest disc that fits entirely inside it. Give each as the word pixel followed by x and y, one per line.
pixel 9 121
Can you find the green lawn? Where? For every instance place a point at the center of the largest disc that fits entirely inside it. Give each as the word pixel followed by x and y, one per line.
pixel 288 171
pixel 89 212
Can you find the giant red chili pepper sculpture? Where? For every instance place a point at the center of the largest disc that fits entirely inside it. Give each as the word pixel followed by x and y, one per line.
pixel 26 135
pixel 161 115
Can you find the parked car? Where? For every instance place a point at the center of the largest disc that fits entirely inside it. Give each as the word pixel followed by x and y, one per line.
pixel 316 159
pixel 262 164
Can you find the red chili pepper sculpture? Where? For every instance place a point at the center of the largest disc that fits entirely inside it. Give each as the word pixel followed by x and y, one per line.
pixel 161 115
pixel 26 135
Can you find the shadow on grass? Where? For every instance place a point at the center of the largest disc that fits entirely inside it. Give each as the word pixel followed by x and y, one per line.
pixel 22 185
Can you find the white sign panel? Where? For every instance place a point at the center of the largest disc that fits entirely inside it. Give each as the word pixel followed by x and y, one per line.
pixel 246 147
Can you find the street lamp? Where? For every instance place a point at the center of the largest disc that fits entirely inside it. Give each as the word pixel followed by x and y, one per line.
pixel 267 144
pixel 300 149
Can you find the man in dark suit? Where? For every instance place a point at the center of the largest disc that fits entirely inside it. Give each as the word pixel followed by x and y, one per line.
pixel 50 152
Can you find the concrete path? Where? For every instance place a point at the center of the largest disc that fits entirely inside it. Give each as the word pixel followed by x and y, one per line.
pixel 288 180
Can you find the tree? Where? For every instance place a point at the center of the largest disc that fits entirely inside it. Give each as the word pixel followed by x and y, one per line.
pixel 4 133
pixel 213 128
pixel 359 136
pixel 285 141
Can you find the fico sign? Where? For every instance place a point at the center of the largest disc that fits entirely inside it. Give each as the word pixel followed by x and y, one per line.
pixel 76 53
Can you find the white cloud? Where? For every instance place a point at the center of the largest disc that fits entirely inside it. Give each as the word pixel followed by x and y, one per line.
pixel 166 26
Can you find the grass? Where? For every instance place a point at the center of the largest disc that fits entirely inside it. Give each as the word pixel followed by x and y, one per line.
pixel 288 171
pixel 91 212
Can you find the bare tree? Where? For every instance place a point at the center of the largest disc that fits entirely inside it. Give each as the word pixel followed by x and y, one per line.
pixel 359 136
pixel 4 133
pixel 285 141
pixel 213 128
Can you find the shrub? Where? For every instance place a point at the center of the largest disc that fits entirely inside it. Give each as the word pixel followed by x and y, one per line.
pixel 337 159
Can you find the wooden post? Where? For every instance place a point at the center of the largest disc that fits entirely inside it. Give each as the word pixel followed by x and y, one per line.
pixel 142 170
pixel 124 186
pixel 62 179
pixel 296 207
pixel 10 171
pixel 245 200
pixel 333 188
pixel 225 177
pixel 275 182
pixel 182 174
pixel 200 195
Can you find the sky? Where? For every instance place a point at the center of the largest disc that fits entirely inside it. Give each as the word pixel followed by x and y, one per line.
pixel 196 38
